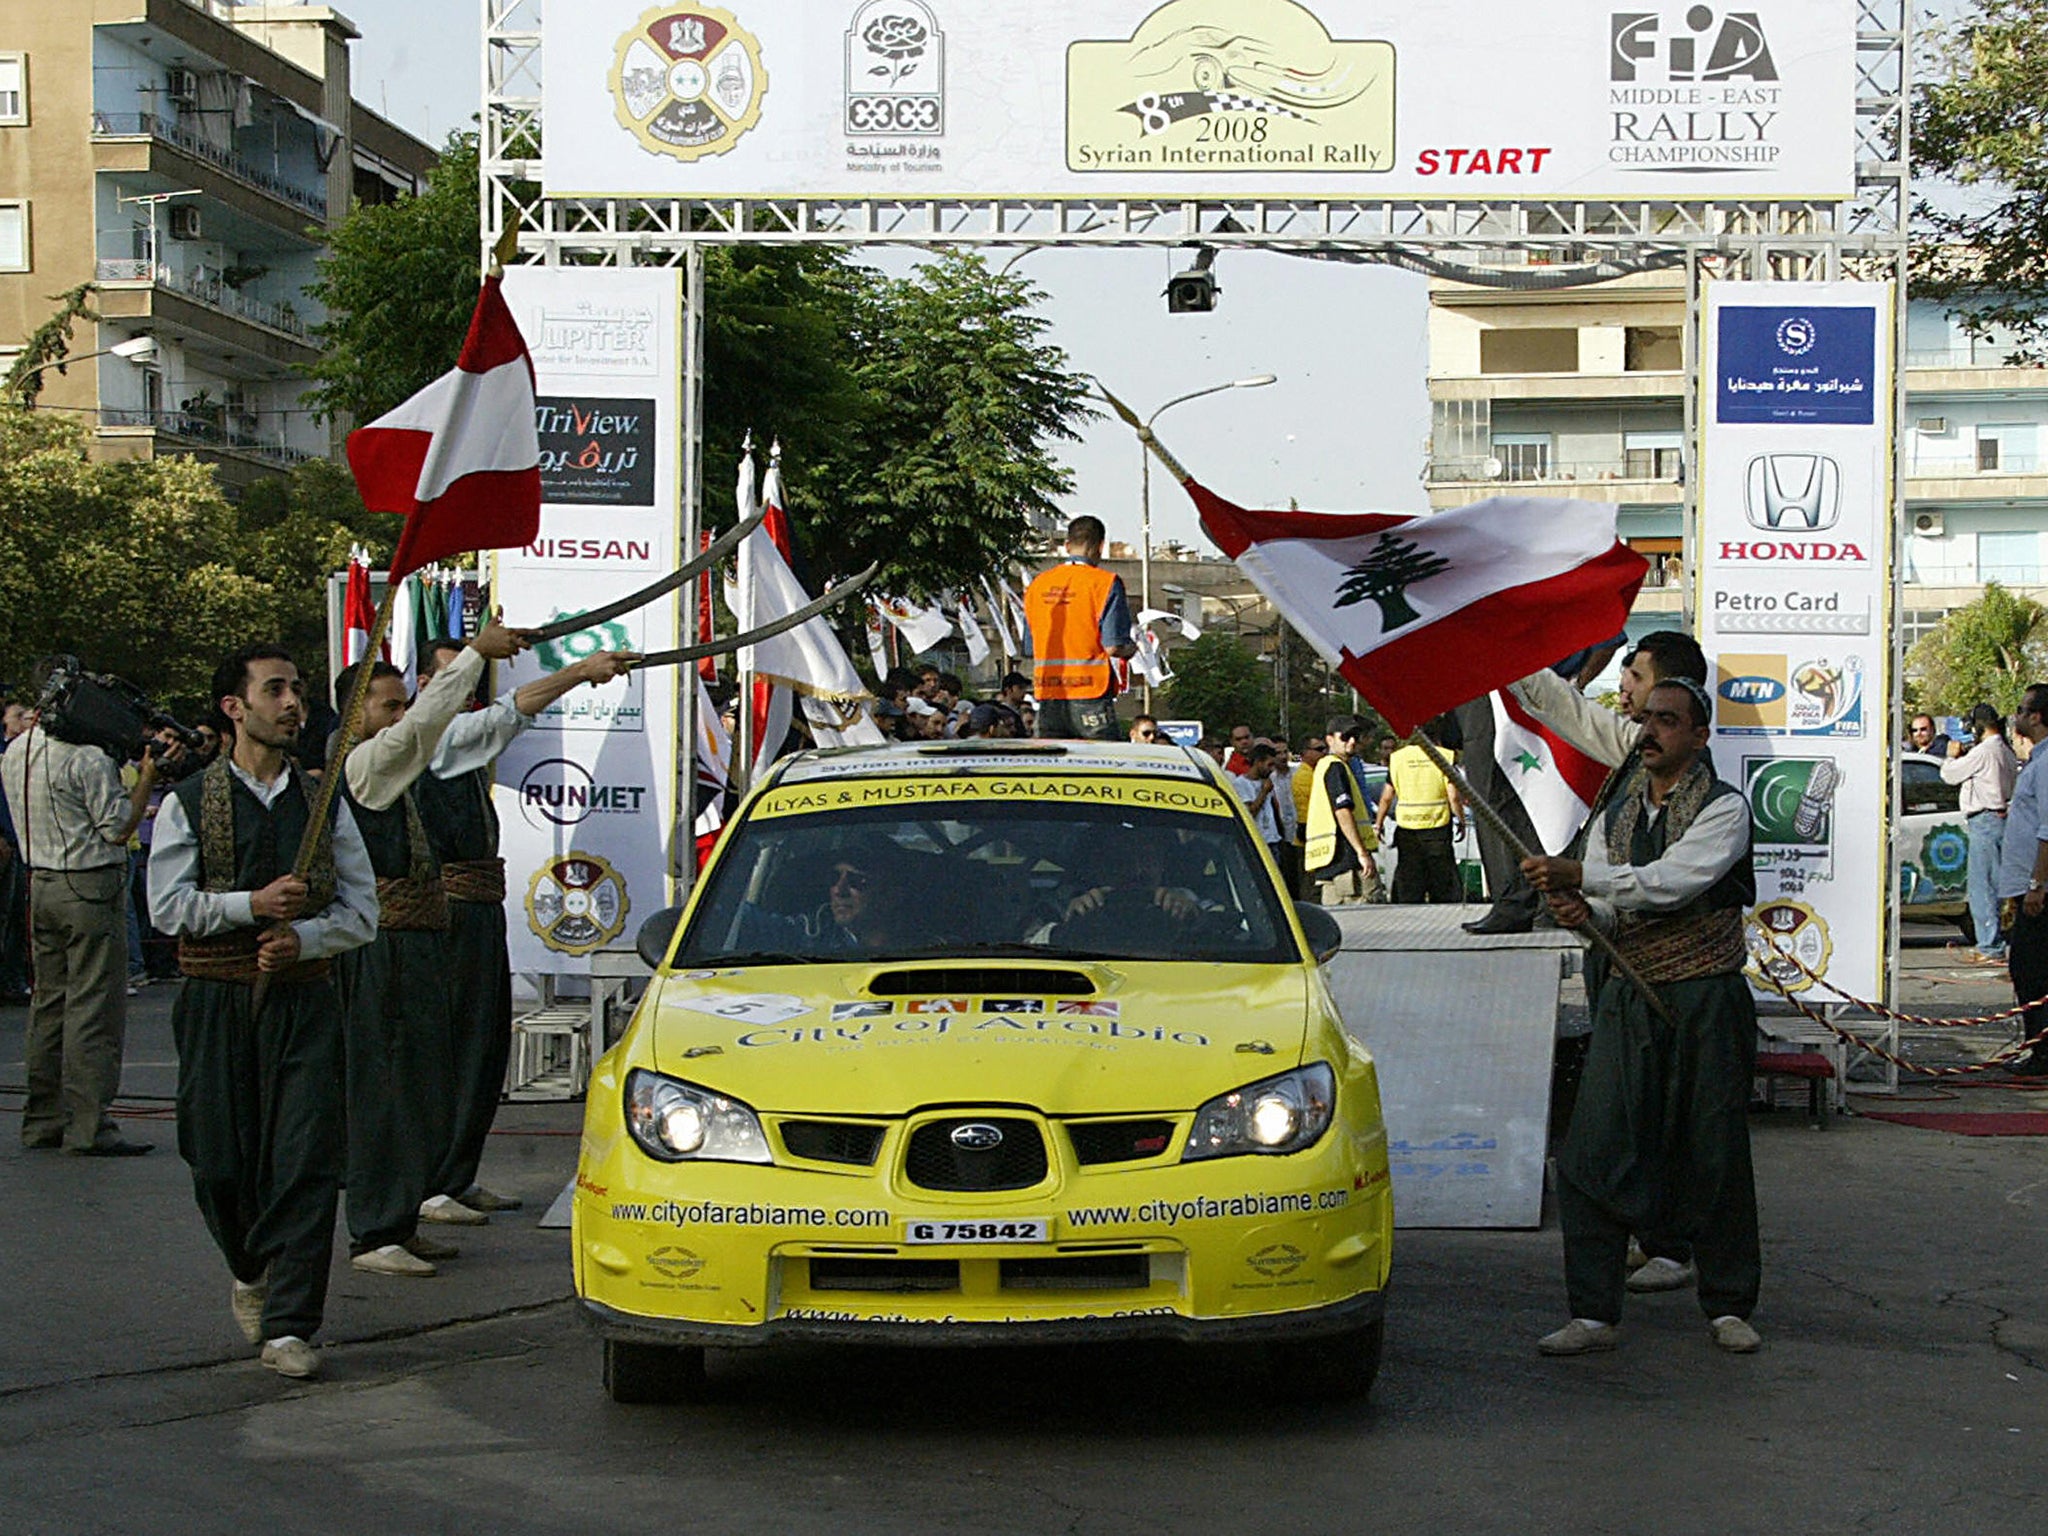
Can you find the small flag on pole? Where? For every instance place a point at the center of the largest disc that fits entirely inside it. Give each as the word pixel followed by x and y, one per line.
pixel 358 613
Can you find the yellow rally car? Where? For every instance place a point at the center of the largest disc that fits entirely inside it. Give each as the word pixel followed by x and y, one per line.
pixel 985 1042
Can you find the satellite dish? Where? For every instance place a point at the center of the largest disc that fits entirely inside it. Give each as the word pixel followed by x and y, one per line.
pixel 1494 469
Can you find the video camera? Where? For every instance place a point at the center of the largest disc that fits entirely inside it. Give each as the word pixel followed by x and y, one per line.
pixel 93 709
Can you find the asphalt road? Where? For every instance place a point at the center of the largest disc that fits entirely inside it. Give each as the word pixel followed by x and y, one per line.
pixel 1903 1385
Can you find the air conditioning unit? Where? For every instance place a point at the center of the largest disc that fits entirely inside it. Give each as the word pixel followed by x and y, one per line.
pixel 1929 525
pixel 182 86
pixel 1932 424
pixel 185 223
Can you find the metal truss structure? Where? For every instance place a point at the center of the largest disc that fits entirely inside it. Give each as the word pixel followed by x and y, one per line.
pixel 1531 243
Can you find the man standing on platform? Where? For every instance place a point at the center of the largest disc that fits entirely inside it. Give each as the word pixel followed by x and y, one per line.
pixel 1428 816
pixel 1659 1140
pixel 455 804
pixel 1080 619
pixel 260 1096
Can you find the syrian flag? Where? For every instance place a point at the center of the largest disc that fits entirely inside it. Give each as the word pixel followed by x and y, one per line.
pixel 1554 780
pixel 807 662
pixel 1421 614
pixel 460 460
pixel 358 613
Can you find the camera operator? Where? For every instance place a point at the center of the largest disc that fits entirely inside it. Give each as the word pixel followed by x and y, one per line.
pixel 73 821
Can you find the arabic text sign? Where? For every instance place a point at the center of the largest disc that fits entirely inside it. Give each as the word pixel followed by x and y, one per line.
pixel 1287 98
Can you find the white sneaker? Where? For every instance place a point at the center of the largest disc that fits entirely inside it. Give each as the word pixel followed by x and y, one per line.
pixel 292 1357
pixel 1735 1335
pixel 453 1212
pixel 392 1260
pixel 1662 1275
pixel 1580 1336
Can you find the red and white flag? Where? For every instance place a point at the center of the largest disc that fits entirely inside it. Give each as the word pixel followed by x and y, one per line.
pixel 714 751
pixel 1554 780
pixel 1422 614
pixel 460 460
pixel 358 613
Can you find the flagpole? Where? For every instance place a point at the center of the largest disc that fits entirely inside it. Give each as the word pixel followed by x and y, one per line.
pixel 1499 826
pixel 743 717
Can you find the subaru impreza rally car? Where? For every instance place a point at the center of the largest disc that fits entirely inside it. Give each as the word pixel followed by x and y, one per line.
pixel 985 1042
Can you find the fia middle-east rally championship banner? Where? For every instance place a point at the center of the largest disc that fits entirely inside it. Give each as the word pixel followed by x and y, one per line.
pixel 1794 553
pixel 586 799
pixel 1190 98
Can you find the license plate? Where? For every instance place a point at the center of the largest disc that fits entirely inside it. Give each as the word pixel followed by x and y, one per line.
pixel 1030 1231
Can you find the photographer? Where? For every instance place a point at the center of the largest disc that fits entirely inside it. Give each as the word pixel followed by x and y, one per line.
pixel 73 821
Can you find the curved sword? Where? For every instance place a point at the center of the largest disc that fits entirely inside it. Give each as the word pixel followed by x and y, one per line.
pixel 724 545
pixel 803 615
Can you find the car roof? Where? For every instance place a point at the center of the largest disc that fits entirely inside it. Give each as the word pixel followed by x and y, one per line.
pixel 992 756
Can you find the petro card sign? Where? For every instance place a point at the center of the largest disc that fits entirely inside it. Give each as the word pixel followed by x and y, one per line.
pixel 1794 556
pixel 586 799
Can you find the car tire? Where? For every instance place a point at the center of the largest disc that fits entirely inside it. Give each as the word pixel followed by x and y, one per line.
pixel 653 1373
pixel 1338 1365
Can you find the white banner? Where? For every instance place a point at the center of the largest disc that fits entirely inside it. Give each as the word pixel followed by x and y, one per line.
pixel 1794 554
pixel 1487 99
pixel 586 800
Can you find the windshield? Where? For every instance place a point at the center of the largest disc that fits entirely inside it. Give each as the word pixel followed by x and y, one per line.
pixel 974 879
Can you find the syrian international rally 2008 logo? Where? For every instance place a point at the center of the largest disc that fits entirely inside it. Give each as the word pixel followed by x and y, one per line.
pixel 687 81
pixel 576 903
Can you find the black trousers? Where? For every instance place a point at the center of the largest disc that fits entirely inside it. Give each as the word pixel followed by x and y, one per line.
pixel 259 1124
pixel 396 995
pixel 2026 961
pixel 480 1039
pixel 1428 867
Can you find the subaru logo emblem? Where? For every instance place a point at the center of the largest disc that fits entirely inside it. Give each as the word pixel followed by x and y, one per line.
pixel 976 1137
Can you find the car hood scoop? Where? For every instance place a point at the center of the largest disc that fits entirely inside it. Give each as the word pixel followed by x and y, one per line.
pixel 885 1040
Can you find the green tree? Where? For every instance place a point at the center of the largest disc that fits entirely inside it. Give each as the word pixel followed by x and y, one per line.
pixel 47 347
pixel 1985 652
pixel 1220 682
pixel 1981 122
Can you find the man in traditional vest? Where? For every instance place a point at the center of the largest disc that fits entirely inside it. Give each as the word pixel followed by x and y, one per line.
pixel 260 1093
pixel 1080 619
pixel 455 805
pixel 1659 1141
pixel 397 989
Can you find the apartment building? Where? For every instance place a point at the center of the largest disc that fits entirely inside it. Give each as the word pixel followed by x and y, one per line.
pixel 1579 392
pixel 189 157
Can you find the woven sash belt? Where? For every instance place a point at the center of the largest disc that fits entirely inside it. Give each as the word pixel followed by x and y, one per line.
pixel 478 880
pixel 412 906
pixel 232 957
pixel 1685 948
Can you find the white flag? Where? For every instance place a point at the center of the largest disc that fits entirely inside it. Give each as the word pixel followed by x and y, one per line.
pixel 970 631
pixel 922 627
pixel 1002 620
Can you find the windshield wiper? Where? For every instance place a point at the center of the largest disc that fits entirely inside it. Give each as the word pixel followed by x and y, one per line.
pixel 968 954
pixel 753 957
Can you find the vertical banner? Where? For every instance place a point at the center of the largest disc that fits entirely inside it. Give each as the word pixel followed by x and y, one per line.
pixel 586 800
pixel 1794 548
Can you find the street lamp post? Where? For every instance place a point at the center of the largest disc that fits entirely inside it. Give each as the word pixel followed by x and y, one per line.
pixel 1256 381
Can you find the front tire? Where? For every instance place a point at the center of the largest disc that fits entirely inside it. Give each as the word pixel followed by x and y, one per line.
pixel 653 1373
pixel 1340 1365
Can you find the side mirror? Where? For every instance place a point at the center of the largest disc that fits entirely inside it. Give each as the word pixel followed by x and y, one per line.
pixel 652 942
pixel 1324 937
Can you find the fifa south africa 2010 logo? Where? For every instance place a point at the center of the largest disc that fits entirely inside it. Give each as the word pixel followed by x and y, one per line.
pixel 687 81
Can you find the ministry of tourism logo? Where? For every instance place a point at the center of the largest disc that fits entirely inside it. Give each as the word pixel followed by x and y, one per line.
pixel 1693 90
pixel 1793 491
pixel 687 81
pixel 895 70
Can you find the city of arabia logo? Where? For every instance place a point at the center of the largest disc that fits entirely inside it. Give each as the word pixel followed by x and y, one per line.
pixel 687 81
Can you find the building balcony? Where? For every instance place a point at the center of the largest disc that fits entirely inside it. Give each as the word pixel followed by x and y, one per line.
pixel 211 292
pixel 1581 387
pixel 1504 470
pixel 168 131
pixel 203 430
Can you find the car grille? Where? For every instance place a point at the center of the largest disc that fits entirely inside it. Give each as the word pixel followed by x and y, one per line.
pixel 932 1161
pixel 832 1141
pixel 1093 1272
pixel 885 1274
pixel 1118 1141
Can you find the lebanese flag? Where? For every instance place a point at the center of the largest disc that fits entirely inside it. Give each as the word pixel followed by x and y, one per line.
pixel 1422 614
pixel 358 613
pixel 460 460
pixel 1554 780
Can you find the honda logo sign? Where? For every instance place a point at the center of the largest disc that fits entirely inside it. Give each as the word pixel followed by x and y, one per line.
pixel 1801 491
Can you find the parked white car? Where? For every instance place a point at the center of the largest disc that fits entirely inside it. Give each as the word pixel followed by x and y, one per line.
pixel 1933 846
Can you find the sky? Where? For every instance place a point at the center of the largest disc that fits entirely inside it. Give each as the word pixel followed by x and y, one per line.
pixel 1345 428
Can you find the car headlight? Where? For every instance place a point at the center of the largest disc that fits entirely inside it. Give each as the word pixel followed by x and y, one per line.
pixel 1274 1115
pixel 677 1122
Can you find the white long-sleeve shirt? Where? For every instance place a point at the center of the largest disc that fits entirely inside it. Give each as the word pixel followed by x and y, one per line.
pixel 1986 773
pixel 1686 870
pixel 384 767
pixel 476 739
pixel 1601 734
pixel 179 907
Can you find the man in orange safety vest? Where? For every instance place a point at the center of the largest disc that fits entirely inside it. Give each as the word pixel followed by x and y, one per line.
pixel 1080 618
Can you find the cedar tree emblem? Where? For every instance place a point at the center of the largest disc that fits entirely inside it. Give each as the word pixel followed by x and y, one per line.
pixel 1389 568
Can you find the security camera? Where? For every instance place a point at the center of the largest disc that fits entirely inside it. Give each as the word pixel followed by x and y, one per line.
pixel 1194 291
